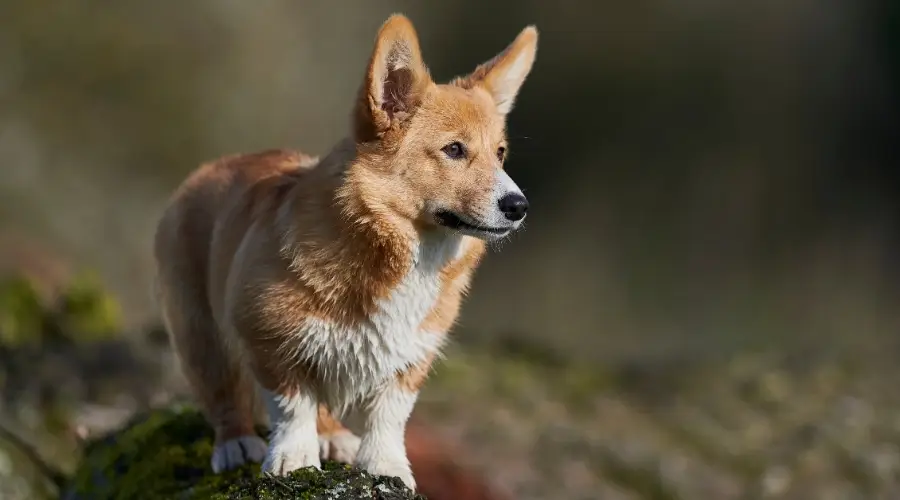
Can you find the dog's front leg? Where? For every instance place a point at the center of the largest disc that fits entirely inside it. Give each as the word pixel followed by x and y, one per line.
pixel 294 442
pixel 383 448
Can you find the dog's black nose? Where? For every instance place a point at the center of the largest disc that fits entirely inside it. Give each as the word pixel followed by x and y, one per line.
pixel 513 206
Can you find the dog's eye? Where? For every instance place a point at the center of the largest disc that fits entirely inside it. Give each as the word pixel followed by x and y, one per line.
pixel 454 150
pixel 501 153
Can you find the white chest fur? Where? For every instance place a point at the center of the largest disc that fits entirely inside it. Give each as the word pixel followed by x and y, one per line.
pixel 352 361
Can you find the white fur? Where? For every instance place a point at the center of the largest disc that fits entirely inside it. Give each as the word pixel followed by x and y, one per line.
pixel 354 362
pixel 340 446
pixel 358 367
pixel 503 185
pixel 383 450
pixel 294 443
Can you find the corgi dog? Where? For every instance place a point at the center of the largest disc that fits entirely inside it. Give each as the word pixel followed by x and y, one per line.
pixel 326 286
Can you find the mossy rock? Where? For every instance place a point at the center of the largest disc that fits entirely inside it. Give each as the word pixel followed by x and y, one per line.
pixel 22 315
pixel 165 454
pixel 81 312
pixel 87 311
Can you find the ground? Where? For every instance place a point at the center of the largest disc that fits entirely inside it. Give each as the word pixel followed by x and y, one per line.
pixel 773 424
pixel 165 454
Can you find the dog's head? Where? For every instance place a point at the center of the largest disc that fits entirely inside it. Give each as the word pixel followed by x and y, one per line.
pixel 432 153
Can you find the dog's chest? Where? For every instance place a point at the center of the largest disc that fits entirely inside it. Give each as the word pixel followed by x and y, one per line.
pixel 351 360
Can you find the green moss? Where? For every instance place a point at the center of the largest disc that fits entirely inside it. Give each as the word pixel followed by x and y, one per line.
pixel 166 455
pixel 580 385
pixel 169 446
pixel 83 311
pixel 21 313
pixel 86 311
pixel 333 481
pixel 515 375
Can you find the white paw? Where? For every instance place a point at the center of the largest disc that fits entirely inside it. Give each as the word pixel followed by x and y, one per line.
pixel 286 455
pixel 340 447
pixel 236 452
pixel 396 468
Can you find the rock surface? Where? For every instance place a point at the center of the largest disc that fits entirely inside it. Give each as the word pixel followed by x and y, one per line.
pixel 165 454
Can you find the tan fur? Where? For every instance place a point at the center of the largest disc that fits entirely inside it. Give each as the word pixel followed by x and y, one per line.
pixel 252 246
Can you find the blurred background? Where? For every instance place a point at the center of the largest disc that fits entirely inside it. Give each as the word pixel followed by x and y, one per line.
pixel 703 303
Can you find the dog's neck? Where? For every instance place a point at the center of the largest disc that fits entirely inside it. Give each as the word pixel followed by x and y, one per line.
pixel 362 244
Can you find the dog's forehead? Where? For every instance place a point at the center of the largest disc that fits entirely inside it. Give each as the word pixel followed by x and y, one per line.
pixel 453 108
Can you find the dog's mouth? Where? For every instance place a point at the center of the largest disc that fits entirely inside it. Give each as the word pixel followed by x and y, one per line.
pixel 453 221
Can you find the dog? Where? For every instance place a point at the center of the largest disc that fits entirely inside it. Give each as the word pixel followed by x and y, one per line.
pixel 326 286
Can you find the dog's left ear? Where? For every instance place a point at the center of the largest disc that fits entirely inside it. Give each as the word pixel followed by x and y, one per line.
pixel 396 79
pixel 504 75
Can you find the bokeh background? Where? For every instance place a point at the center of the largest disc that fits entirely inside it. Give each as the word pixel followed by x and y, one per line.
pixel 703 303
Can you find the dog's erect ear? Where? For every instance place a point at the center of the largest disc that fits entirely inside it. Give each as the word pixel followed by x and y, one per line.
pixel 504 75
pixel 395 80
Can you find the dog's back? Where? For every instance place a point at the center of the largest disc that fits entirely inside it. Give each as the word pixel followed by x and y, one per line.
pixel 187 255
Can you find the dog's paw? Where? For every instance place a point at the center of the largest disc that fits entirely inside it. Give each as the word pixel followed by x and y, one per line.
pixel 395 468
pixel 340 447
pixel 289 454
pixel 236 452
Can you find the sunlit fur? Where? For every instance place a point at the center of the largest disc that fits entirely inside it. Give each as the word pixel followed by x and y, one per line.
pixel 327 286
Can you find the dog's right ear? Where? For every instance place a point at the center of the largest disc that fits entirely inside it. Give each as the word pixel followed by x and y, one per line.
pixel 394 83
pixel 504 75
